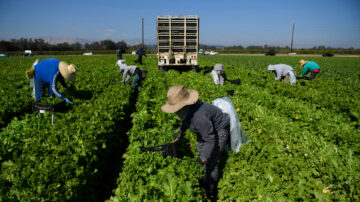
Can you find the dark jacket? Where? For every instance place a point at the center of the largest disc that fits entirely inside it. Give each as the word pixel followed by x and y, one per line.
pixel 205 120
pixel 140 52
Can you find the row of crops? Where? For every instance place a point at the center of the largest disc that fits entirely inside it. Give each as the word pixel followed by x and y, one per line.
pixel 73 158
pixel 304 139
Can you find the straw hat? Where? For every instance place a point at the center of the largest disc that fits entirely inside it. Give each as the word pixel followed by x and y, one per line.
pixel 302 62
pixel 67 71
pixel 178 97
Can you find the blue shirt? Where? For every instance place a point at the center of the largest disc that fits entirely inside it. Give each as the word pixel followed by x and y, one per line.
pixel 310 67
pixel 48 72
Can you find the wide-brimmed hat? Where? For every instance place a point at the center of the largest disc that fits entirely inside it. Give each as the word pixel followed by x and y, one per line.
pixel 178 97
pixel 67 71
pixel 302 62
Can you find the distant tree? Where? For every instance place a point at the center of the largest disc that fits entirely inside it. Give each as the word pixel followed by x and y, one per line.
pixel 93 46
pixel 237 47
pixel 207 47
pixel 121 44
pixel 255 48
pixel 63 46
pixel 76 46
pixel 6 46
pixel 108 45
pixel 40 44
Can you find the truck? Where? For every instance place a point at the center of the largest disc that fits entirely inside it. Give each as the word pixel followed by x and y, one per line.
pixel 178 42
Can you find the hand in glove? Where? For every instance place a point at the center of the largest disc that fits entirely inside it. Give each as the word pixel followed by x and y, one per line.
pixel 68 101
pixel 202 162
pixel 178 136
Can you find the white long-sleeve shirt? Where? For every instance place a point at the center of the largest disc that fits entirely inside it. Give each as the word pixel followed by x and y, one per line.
pixel 127 72
pixel 280 69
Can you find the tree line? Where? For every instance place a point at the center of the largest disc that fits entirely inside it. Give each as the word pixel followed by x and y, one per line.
pixel 107 44
pixel 41 45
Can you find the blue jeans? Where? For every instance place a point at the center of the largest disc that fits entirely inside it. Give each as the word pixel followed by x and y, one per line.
pixel 137 82
pixel 40 87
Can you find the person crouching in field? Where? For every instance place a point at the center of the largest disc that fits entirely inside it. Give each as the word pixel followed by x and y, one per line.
pixel 283 72
pixel 211 125
pixel 219 69
pixel 129 71
pixel 47 73
pixel 309 66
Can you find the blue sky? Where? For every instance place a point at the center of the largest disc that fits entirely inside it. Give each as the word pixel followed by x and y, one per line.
pixel 334 23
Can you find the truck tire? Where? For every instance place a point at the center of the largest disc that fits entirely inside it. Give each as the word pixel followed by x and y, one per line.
pixel 195 68
pixel 162 68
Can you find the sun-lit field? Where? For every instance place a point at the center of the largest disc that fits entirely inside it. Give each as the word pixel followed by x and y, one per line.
pixel 305 142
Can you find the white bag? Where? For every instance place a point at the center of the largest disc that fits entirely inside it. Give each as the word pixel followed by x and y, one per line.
pixel 215 77
pixel 237 133
pixel 32 84
pixel 292 77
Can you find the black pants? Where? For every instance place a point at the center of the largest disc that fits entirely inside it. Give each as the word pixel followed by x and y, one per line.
pixel 313 75
pixel 211 166
pixel 139 60
pixel 119 56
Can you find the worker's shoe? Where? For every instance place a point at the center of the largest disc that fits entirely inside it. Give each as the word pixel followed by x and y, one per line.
pixel 211 192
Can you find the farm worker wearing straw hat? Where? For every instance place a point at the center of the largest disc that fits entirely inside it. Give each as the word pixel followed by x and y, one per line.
pixel 48 72
pixel 211 125
pixel 309 66
pixel 219 69
pixel 283 72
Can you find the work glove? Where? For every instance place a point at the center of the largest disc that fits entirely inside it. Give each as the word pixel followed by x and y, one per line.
pixel 201 162
pixel 178 136
pixel 68 101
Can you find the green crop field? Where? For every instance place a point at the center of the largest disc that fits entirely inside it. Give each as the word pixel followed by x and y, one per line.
pixel 305 143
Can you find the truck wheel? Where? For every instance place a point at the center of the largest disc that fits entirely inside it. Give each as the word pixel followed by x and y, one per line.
pixel 162 68
pixel 195 68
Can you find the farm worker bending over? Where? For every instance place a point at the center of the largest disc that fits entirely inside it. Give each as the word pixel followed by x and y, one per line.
pixel 211 125
pixel 48 72
pixel 130 71
pixel 141 53
pixel 219 69
pixel 309 66
pixel 284 73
